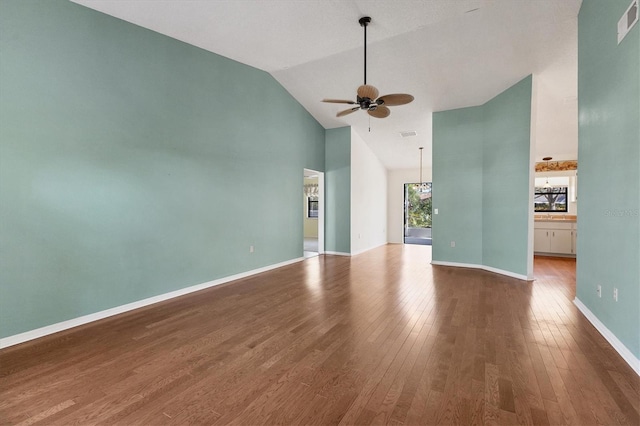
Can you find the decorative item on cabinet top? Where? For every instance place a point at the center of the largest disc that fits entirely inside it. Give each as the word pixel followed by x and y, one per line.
pixel 556 166
pixel 567 217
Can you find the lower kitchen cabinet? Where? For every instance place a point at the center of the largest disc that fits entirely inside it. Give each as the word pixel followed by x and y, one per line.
pixel 554 237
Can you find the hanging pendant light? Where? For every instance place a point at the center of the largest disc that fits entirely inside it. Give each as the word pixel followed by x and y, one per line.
pixel 547 184
pixel 311 189
pixel 422 186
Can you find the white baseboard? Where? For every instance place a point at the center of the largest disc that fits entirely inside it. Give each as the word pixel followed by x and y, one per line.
pixel 337 253
pixel 624 352
pixel 367 249
pixel 483 267
pixel 75 322
pixel 543 254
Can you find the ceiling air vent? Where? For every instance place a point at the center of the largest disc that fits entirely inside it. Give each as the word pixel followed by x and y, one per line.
pixel 408 133
pixel 628 20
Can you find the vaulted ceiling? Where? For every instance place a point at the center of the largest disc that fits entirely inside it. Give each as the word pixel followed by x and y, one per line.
pixel 448 54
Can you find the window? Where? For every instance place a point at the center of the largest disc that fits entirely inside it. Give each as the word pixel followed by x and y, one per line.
pixel 552 199
pixel 312 207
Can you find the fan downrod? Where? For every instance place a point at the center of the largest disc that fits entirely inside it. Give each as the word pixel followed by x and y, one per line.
pixel 364 22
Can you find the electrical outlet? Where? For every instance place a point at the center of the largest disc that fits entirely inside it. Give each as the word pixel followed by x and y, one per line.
pixel 599 290
pixel 615 294
pixel 250 249
pixel 435 211
pixel 453 243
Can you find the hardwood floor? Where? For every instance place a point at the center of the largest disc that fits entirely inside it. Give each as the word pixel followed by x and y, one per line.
pixel 382 337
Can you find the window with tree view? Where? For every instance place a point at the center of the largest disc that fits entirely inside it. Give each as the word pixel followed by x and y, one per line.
pixel 312 207
pixel 418 205
pixel 417 213
pixel 552 199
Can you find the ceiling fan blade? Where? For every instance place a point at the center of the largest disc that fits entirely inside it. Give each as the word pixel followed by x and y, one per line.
pixel 367 91
pixel 379 112
pixel 339 101
pixel 347 111
pixel 395 99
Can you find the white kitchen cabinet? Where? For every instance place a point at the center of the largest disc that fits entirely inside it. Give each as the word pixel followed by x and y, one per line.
pixel 541 240
pixel 554 237
pixel 561 241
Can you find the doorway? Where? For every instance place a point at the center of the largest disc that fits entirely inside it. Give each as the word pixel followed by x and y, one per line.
pixel 555 210
pixel 417 213
pixel 313 213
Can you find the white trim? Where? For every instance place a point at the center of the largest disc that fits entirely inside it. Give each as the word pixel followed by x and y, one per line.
pixel 337 253
pixel 321 212
pixel 75 322
pixel 483 267
pixel 533 135
pixel 370 248
pixel 321 203
pixel 545 254
pixel 624 352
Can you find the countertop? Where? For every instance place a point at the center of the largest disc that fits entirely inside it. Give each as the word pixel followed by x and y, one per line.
pixel 555 218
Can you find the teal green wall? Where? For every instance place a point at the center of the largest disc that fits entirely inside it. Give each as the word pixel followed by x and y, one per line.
pixel 457 185
pixel 481 167
pixel 132 164
pixel 506 206
pixel 609 169
pixel 338 190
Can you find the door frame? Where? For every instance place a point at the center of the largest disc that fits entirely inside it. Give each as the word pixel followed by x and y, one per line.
pixel 320 206
pixel 405 210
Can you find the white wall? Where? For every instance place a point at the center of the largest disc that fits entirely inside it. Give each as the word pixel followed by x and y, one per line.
pixel 395 196
pixel 556 95
pixel 368 197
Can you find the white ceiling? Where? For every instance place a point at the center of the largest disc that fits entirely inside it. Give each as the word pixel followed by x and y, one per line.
pixel 448 54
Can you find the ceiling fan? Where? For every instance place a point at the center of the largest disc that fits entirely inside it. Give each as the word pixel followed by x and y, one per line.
pixel 367 98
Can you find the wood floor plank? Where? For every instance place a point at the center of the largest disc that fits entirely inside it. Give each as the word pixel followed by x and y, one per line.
pixel 430 412
pixel 542 378
pixel 421 395
pixel 491 394
pixel 554 413
pixel 567 409
pixel 375 381
pixel 412 383
pixel 624 383
pixel 378 338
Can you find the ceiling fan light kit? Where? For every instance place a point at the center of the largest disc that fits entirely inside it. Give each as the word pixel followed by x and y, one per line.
pixel 367 91
pixel 367 95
